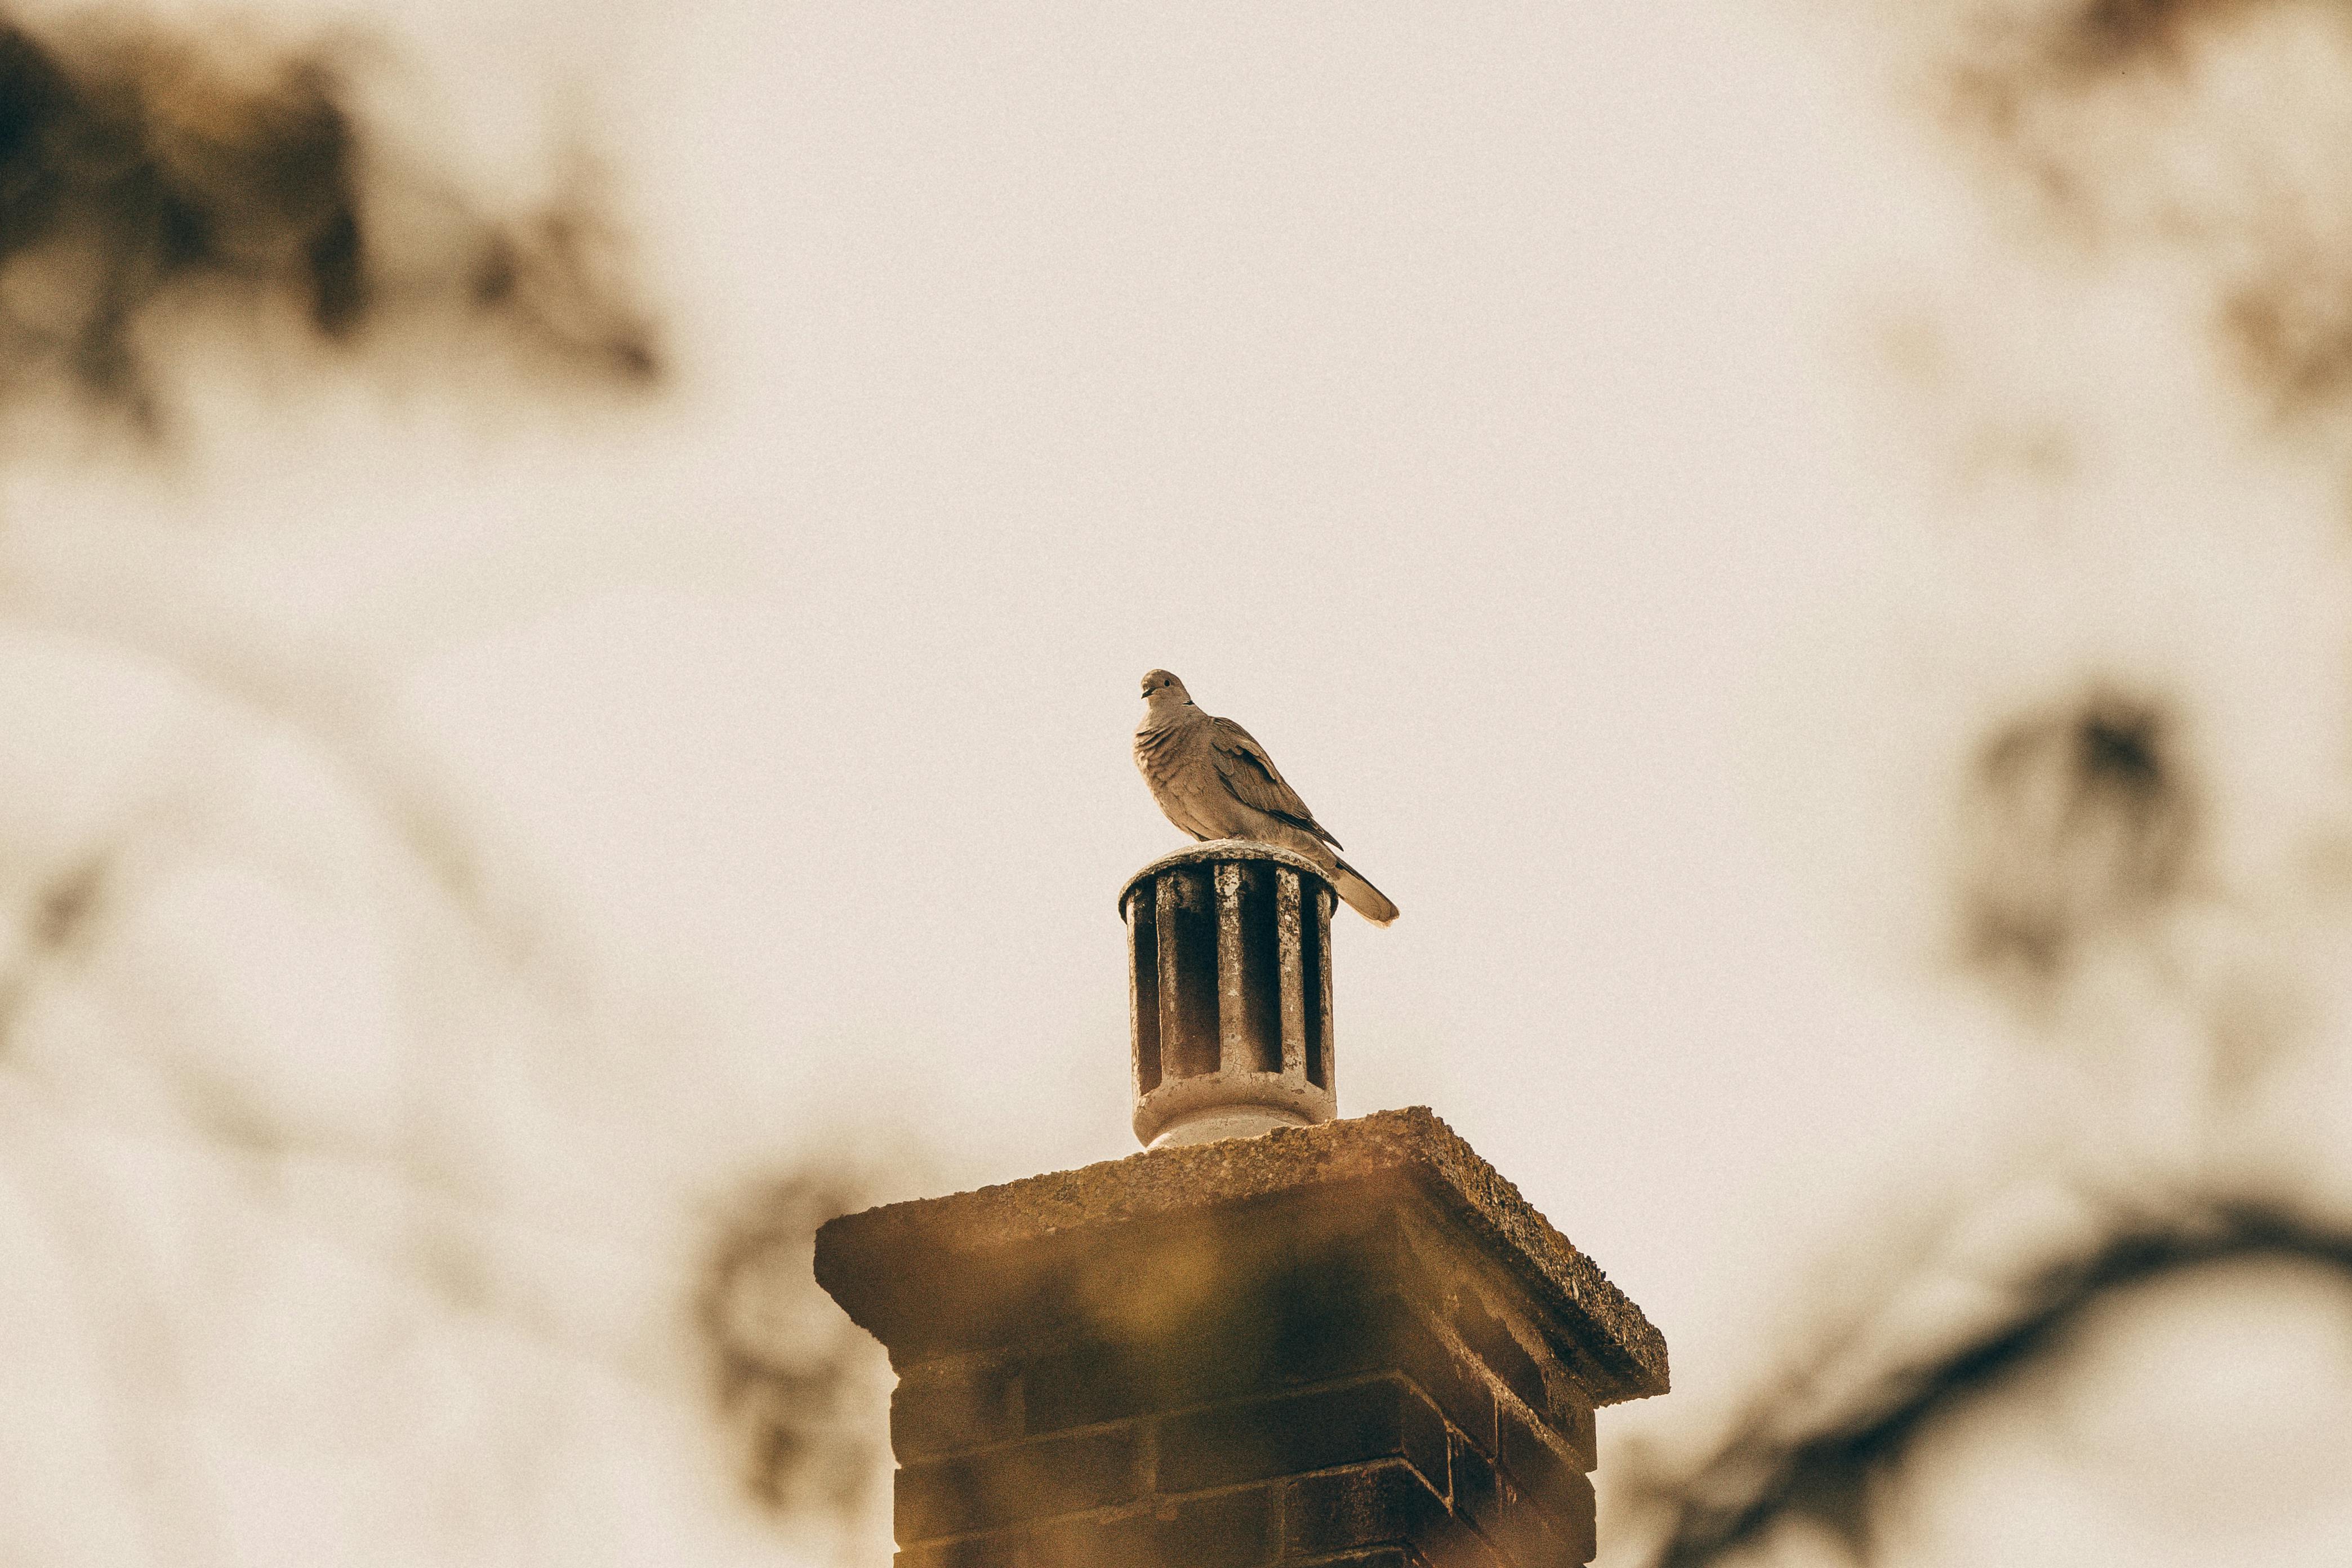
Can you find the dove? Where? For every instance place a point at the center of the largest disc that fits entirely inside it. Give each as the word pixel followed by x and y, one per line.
pixel 1214 781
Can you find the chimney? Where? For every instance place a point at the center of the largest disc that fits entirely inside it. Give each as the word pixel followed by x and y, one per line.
pixel 1274 1337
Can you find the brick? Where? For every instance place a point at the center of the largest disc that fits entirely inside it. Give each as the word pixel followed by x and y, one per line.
pixel 1222 1529
pixel 946 1407
pixel 1079 1385
pixel 1460 1388
pixel 1023 1481
pixel 1335 1335
pixel 1475 1497
pixel 1387 1503
pixel 1524 1537
pixel 1455 1545
pixel 1570 1417
pixel 1493 1344
pixel 1491 1353
pixel 1534 1458
pixel 1523 1534
pixel 1085 1384
pixel 1289 1336
pixel 1296 1433
pixel 1005 1550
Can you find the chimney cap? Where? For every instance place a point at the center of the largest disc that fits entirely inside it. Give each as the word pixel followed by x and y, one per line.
pixel 1229 989
pixel 1211 851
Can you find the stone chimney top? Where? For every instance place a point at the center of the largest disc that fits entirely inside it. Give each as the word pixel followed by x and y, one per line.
pixel 998 1265
pixel 1351 1344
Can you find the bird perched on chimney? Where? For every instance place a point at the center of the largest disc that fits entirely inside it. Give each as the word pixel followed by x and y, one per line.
pixel 1214 781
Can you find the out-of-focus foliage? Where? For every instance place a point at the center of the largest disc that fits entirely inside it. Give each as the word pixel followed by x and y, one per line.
pixel 149 176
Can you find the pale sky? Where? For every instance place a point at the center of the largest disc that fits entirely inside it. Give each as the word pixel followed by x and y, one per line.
pixel 1605 452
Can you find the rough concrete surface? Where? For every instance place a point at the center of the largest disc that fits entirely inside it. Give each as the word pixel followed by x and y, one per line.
pixel 890 1266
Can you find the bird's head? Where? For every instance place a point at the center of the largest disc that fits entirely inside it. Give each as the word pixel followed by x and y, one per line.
pixel 1159 686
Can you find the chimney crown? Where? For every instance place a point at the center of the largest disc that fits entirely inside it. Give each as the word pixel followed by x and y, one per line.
pixel 944 1275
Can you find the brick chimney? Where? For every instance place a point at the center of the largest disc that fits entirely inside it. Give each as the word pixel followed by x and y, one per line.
pixel 1320 1342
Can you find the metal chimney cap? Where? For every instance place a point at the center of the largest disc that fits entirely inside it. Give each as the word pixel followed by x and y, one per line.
pixel 1229 987
pixel 1212 850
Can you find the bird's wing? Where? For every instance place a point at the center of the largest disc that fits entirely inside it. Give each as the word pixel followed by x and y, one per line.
pixel 1255 781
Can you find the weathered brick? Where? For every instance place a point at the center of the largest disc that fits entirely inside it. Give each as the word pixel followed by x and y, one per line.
pixel 1291 1433
pixel 945 1406
pixel 1493 1344
pixel 1494 1353
pixel 1524 1538
pixel 1007 1549
pixel 1077 1386
pixel 1460 1389
pixel 1383 1504
pixel 1534 1458
pixel 1523 1534
pixel 1036 1479
pixel 1475 1497
pixel 1234 1528
pixel 1387 1503
pixel 1570 1419
pixel 1455 1545
pixel 1313 1321
pixel 1083 1385
pixel 1222 1529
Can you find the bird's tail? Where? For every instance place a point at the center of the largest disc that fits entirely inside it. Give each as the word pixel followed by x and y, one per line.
pixel 1362 897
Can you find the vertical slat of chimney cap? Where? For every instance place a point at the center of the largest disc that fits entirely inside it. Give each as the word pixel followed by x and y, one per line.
pixel 1293 981
pixel 1233 1008
pixel 1323 902
pixel 1142 1030
pixel 1165 893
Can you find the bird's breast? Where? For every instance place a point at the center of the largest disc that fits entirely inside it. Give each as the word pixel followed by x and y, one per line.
pixel 1159 755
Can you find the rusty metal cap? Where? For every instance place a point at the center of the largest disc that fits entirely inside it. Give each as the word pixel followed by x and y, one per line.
pixel 1229 945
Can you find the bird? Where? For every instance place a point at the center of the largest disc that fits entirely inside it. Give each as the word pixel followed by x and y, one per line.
pixel 1214 781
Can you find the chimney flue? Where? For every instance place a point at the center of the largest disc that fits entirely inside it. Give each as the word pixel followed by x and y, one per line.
pixel 1229 974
